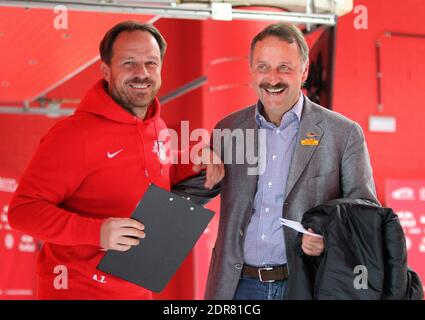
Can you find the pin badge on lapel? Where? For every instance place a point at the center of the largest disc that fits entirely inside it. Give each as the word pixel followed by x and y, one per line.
pixel 312 135
pixel 311 140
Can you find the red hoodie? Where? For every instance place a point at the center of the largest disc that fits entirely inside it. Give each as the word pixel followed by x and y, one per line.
pixel 90 166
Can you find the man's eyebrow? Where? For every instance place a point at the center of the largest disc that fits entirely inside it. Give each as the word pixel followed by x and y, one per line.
pixel 126 58
pixel 281 62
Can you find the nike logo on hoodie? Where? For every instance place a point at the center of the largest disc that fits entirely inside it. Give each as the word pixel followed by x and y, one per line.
pixel 111 155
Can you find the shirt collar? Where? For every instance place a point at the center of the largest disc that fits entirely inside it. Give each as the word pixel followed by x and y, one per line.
pixel 295 110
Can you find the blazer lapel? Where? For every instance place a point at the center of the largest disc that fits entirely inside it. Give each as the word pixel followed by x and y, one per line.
pixel 250 184
pixel 309 136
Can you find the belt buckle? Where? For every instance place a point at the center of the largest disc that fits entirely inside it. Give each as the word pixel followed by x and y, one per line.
pixel 264 269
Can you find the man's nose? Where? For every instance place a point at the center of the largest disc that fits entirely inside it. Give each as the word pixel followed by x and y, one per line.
pixel 141 71
pixel 274 77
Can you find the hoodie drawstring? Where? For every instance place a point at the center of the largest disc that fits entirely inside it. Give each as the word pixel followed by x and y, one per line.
pixel 143 146
pixel 161 166
pixel 159 148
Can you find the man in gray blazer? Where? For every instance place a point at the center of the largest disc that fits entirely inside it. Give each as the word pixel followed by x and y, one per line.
pixel 307 156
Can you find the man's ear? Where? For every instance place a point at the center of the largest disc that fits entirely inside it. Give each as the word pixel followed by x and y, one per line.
pixel 305 72
pixel 106 71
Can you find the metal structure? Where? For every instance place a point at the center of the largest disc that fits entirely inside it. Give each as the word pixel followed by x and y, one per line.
pixel 322 12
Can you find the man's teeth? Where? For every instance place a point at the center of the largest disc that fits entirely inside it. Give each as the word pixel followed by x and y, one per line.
pixel 275 90
pixel 139 86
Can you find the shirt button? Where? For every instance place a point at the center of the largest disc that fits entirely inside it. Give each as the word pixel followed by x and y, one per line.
pixel 263 236
pixel 238 266
pixel 274 157
pixel 277 131
pixel 267 209
pixel 241 232
pixel 269 184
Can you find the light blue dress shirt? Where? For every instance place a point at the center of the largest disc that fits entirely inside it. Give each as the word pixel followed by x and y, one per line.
pixel 264 241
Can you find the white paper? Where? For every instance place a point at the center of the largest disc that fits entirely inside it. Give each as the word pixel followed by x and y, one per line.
pixel 298 227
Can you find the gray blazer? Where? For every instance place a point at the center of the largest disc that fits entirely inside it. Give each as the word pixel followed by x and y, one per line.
pixel 338 167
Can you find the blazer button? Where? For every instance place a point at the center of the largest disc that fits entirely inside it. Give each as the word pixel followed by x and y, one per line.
pixel 238 266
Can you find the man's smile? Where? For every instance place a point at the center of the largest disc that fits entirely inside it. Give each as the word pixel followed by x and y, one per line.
pixel 139 86
pixel 274 91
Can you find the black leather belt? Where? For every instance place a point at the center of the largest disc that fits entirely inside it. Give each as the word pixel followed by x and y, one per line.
pixel 266 274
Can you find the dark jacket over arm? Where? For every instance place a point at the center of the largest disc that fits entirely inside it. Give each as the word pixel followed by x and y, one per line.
pixel 365 255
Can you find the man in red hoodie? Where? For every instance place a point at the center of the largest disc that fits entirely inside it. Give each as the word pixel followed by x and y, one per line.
pixel 92 168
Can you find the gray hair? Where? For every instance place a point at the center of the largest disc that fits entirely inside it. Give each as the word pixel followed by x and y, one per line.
pixel 286 32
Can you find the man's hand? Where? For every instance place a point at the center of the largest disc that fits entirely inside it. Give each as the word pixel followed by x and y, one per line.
pixel 312 246
pixel 215 168
pixel 120 233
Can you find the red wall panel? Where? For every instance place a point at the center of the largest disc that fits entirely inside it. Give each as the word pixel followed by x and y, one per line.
pixel 19 139
pixel 394 155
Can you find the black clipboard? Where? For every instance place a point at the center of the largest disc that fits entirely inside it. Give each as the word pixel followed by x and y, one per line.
pixel 173 225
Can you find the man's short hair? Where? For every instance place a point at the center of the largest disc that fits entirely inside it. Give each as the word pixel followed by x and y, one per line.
pixel 286 32
pixel 108 40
